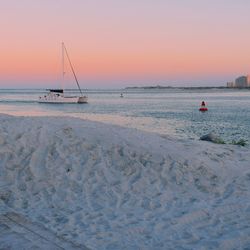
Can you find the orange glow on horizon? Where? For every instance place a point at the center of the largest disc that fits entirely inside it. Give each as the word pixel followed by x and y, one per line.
pixel 125 40
pixel 47 64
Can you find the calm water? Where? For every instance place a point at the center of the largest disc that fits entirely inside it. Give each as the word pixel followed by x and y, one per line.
pixel 171 111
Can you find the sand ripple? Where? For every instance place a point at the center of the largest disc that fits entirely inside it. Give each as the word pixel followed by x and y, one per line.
pixel 115 188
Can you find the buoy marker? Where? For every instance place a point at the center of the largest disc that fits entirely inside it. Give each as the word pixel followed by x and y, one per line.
pixel 203 107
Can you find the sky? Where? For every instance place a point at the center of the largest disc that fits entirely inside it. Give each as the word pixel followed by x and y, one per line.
pixel 120 43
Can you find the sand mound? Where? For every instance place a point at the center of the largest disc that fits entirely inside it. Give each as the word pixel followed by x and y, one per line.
pixel 114 188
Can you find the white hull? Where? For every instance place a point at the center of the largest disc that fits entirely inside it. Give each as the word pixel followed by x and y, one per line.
pixel 63 99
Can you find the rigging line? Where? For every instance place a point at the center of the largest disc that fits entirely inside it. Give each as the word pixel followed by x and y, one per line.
pixel 72 69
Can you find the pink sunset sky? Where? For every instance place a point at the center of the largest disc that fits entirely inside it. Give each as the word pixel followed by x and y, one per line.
pixel 119 43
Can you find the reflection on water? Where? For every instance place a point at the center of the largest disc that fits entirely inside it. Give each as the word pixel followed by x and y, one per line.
pixel 171 111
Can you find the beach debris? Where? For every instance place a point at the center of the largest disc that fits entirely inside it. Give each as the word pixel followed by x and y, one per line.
pixel 241 142
pixel 203 107
pixel 212 137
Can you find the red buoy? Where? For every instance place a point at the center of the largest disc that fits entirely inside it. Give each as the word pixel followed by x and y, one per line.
pixel 203 107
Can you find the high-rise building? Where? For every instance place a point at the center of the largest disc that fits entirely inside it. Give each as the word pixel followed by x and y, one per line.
pixel 241 82
pixel 248 80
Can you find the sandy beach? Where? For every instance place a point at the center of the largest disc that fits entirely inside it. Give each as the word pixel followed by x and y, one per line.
pixel 108 187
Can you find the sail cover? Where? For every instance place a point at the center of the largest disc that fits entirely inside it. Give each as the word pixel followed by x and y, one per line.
pixel 56 90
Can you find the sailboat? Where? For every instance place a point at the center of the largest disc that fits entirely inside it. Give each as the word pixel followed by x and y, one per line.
pixel 58 95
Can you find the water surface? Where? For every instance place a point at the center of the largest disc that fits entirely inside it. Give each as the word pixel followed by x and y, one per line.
pixel 166 111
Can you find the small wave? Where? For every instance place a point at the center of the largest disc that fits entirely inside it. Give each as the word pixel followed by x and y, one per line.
pixel 17 101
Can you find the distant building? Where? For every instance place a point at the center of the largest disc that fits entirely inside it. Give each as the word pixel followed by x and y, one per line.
pixel 230 84
pixel 241 82
pixel 248 80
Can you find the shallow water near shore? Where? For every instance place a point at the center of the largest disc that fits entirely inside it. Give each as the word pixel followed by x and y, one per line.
pixel 166 111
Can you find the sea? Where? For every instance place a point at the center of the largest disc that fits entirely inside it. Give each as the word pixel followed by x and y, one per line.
pixel 167 111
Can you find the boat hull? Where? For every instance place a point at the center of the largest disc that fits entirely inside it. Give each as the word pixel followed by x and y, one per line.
pixel 83 99
pixel 64 99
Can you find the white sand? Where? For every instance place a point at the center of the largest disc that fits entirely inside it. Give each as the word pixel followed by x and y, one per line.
pixel 110 187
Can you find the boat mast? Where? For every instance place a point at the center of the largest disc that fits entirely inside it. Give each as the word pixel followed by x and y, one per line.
pixel 63 71
pixel 71 66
